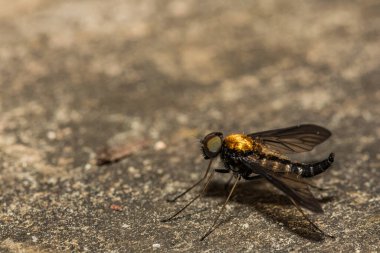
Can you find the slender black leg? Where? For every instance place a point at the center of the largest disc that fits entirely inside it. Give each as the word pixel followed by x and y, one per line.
pixel 221 210
pixel 191 187
pixel 253 177
pixel 311 223
pixel 222 171
pixel 250 178
pixel 228 183
pixel 191 201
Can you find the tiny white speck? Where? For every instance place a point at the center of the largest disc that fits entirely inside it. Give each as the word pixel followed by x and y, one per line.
pixel 160 145
pixel 34 239
pixel 51 135
pixel 183 119
pixel 87 166
pixel 125 225
pixel 156 246
pixel 134 171
pixel 246 225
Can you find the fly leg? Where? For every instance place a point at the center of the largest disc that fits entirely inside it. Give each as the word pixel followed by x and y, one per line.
pixel 211 229
pixel 252 177
pixel 249 178
pixel 191 201
pixel 311 223
pixel 229 180
pixel 222 171
pixel 191 187
pixel 228 183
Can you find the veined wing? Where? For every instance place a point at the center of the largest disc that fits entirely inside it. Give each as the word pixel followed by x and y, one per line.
pixel 294 139
pixel 295 188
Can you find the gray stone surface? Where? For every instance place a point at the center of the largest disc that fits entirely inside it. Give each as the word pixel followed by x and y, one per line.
pixel 78 75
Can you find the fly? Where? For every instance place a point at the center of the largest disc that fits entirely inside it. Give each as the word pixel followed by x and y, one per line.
pixel 262 155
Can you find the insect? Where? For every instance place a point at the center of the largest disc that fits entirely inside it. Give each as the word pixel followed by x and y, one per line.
pixel 262 156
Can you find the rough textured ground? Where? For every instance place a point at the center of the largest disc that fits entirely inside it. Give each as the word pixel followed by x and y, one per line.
pixel 78 75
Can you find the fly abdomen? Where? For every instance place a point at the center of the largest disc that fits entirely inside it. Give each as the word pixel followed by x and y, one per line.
pixel 310 170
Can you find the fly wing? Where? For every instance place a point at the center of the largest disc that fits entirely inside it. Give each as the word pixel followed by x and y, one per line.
pixel 295 188
pixel 294 139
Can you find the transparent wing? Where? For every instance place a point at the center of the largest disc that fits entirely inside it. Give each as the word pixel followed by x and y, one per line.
pixel 294 139
pixel 295 188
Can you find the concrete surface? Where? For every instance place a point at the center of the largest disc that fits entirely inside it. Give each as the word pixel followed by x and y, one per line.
pixel 76 76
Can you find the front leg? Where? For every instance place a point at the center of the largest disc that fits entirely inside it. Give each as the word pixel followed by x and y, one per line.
pixel 252 177
pixel 222 170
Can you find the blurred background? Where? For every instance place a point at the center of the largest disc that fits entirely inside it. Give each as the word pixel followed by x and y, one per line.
pixel 148 79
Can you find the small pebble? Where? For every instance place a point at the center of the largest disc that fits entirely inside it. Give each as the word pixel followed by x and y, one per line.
pixel 156 246
pixel 51 135
pixel 34 239
pixel 125 225
pixel 160 145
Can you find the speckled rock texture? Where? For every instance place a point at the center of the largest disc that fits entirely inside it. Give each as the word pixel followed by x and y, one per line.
pixel 78 76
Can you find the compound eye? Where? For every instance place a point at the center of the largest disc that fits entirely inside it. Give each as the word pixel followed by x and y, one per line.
pixel 212 145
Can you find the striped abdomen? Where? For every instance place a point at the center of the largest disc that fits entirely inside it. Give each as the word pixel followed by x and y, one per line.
pixel 304 170
pixel 310 170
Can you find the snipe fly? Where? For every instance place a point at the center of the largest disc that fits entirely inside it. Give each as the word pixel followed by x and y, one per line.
pixel 262 155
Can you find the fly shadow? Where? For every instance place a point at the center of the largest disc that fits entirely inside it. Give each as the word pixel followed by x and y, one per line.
pixel 267 201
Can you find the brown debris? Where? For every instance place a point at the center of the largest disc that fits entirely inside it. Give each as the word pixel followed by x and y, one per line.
pixel 115 207
pixel 114 154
